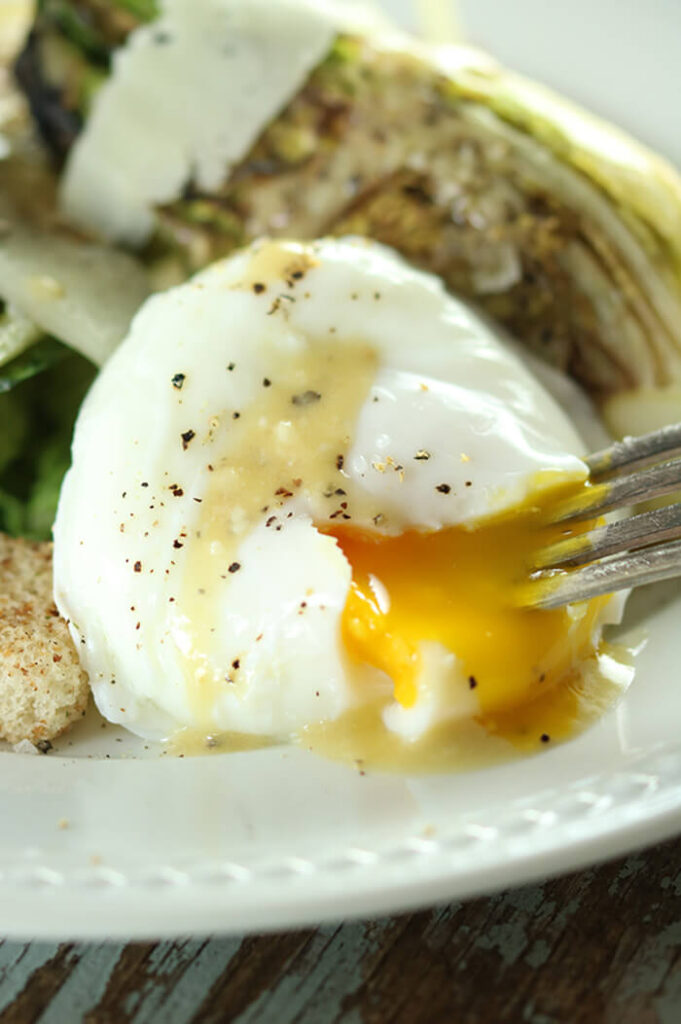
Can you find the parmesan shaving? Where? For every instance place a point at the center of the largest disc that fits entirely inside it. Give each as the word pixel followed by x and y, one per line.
pixel 188 96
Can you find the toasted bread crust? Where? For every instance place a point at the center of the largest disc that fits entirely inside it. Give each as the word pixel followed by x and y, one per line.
pixel 43 689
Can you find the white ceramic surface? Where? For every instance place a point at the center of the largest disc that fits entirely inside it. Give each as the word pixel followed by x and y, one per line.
pixel 105 838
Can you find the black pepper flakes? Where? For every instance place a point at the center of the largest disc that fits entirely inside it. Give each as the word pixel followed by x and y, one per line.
pixel 443 488
pixel 258 287
pixel 236 415
pixel 236 663
pixel 266 382
pixel 178 380
pixel 137 567
pixel 230 366
pixel 177 544
pixel 187 437
pixel 234 567
pixel 306 398
pixel 545 738
pixel 340 460
pixel 472 682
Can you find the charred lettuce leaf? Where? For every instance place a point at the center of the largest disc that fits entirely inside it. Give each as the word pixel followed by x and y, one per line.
pixel 564 230
pixel 67 56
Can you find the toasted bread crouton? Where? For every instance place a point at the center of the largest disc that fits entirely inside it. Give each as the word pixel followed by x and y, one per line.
pixel 43 689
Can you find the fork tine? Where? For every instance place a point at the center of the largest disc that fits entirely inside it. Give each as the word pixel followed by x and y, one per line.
pixel 631 570
pixel 642 485
pixel 633 451
pixel 644 530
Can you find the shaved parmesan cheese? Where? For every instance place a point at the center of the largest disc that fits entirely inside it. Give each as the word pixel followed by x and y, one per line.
pixel 188 96
pixel 84 295
pixel 17 333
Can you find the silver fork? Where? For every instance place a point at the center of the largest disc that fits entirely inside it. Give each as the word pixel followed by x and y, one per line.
pixel 638 549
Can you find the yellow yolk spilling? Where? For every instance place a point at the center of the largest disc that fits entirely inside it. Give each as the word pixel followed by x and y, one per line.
pixel 459 588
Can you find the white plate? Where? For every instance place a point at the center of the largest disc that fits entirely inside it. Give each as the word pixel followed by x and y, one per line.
pixel 103 838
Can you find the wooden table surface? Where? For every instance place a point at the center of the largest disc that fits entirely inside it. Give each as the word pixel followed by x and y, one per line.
pixel 599 947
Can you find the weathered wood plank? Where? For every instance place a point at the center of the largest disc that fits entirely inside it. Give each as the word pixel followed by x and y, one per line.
pixel 602 945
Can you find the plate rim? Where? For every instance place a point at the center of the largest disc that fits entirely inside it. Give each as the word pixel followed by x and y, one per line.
pixel 540 835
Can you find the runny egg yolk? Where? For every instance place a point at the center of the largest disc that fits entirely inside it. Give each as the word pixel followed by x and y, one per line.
pixel 460 587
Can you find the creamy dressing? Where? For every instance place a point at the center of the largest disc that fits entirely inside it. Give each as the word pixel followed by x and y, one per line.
pixel 285 451
pixel 360 737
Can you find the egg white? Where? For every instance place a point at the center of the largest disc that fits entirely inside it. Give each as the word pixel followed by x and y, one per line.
pixel 445 384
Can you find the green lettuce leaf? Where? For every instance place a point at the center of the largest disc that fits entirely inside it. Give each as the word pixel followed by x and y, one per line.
pixel 45 353
pixel 35 447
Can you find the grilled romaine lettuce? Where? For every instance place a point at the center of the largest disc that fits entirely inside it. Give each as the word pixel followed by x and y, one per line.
pixel 564 230
pixel 64 305
pixel 57 289
pixel 67 56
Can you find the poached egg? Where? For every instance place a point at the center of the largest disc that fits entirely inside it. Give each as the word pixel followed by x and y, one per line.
pixel 305 484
